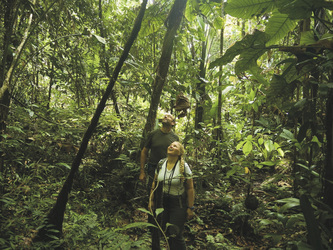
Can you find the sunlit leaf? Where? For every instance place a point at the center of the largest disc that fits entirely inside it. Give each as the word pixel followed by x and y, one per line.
pixel 248 8
pixel 240 145
pixel 269 145
pixel 100 39
pixel 260 141
pixel 247 148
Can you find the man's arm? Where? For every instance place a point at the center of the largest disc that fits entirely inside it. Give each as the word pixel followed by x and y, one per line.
pixel 143 160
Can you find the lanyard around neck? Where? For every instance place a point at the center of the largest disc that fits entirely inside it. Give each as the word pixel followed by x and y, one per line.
pixel 171 175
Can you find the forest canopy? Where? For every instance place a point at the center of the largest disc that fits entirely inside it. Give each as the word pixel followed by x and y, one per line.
pixel 250 85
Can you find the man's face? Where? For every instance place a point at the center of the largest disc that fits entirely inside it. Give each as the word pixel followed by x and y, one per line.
pixel 168 119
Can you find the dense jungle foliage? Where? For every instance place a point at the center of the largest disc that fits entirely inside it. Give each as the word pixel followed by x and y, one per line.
pixel 79 89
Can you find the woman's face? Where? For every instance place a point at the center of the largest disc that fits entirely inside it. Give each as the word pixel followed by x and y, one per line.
pixel 174 149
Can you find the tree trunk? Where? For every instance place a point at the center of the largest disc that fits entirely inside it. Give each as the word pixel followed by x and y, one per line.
pixel 219 131
pixel 201 88
pixel 172 23
pixel 328 172
pixel 7 72
pixel 54 220
pixel 10 12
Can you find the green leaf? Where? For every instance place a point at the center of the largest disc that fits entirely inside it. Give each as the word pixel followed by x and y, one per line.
pixel 287 135
pixel 159 210
pixel 247 148
pixel 251 47
pixel 260 141
pixel 278 26
pixel 299 9
pixel 218 23
pixel 137 225
pixel 248 8
pixel 155 21
pixel 192 8
pixel 314 173
pixel 268 163
pixel 275 237
pixel 290 203
pixel 269 145
pixel 63 165
pixel 144 210
pixel 255 70
pixel 279 149
pixel 307 38
pixel 15 129
pixel 295 220
pixel 248 60
pixel 230 88
pixel 266 222
pixel 252 95
pixel 100 39
pixel 316 140
pixel 240 145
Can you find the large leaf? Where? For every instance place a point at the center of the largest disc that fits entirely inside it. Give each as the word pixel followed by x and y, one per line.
pixel 307 38
pixel 248 60
pixel 278 26
pixel 255 70
pixel 279 89
pixel 248 8
pixel 251 47
pixel 290 72
pixel 301 9
pixel 192 10
pixel 154 21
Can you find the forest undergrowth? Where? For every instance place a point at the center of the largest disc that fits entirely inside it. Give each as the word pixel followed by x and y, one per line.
pixel 106 206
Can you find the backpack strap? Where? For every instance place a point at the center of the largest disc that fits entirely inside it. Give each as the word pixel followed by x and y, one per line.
pixel 160 164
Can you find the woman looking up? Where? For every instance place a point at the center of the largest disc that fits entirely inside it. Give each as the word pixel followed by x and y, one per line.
pixel 174 178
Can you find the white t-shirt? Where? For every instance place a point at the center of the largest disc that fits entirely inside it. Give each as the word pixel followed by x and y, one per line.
pixel 173 177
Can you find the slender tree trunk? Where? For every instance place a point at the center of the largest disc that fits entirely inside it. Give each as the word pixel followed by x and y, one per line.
pixel 7 72
pixel 219 134
pixel 172 23
pixel 201 88
pixel 54 221
pixel 328 173
pixel 48 105
pixel 10 9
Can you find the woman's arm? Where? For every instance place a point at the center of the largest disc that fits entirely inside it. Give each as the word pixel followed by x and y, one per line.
pixel 190 198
